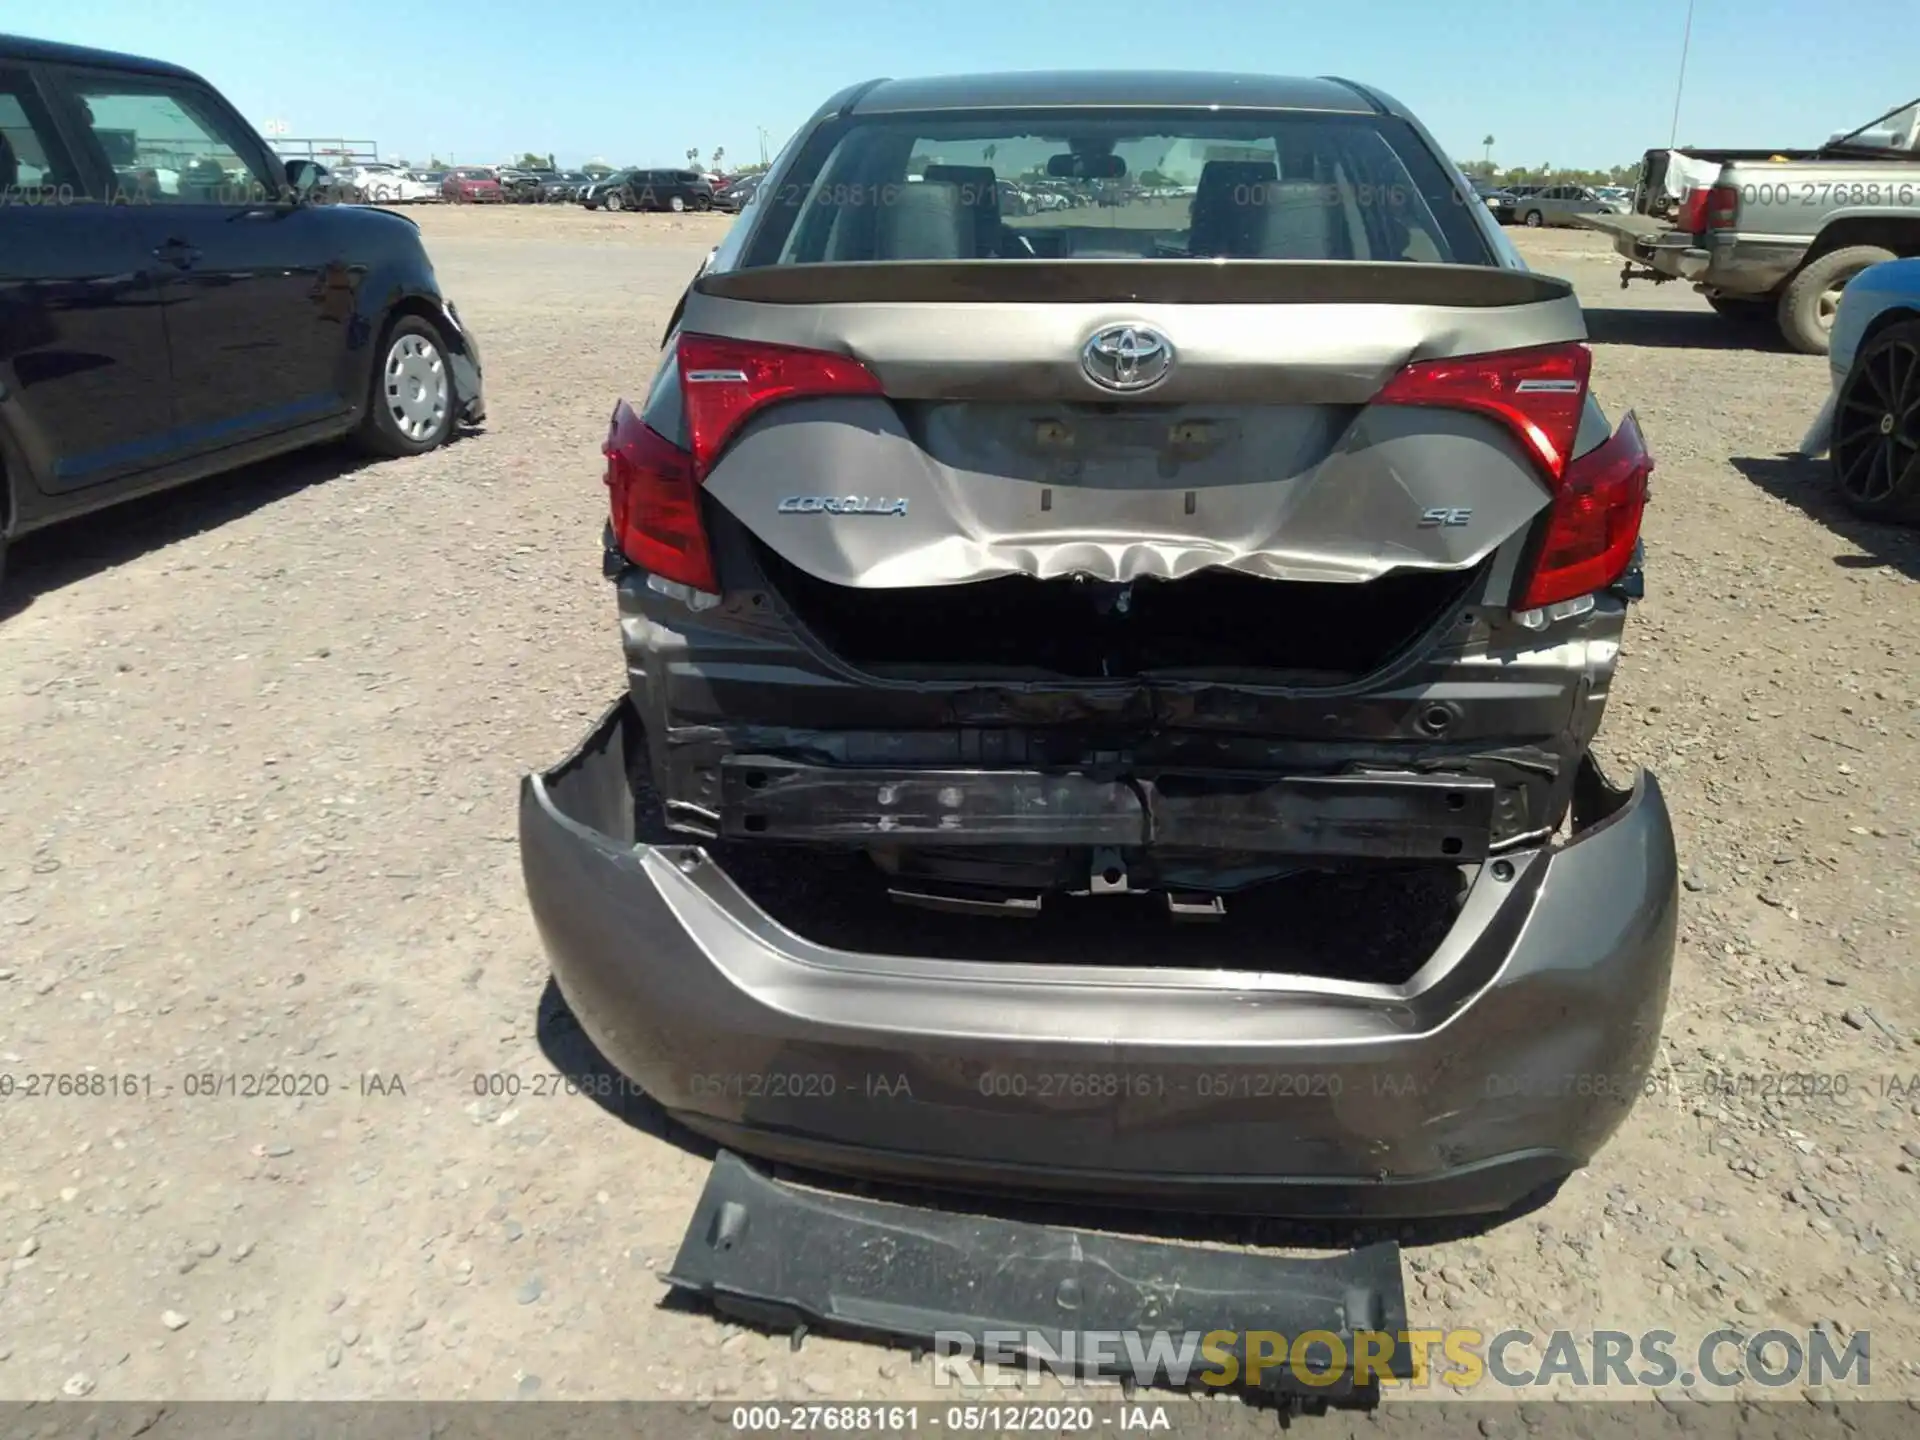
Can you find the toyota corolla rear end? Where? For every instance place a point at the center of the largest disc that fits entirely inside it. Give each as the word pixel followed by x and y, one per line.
pixel 1110 689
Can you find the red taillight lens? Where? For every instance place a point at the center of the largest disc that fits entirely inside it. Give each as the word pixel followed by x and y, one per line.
pixel 1536 393
pixel 1692 216
pixel 724 381
pixel 1594 521
pixel 654 499
pixel 1723 207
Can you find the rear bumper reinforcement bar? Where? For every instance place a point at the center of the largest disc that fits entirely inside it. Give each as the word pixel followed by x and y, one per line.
pixel 1392 815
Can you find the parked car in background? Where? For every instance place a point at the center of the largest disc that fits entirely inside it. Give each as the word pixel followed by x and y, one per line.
pixel 472 184
pixel 1558 204
pixel 388 185
pixel 974 670
pixel 1506 206
pixel 1493 196
pixel 1870 424
pixel 524 187
pixel 737 196
pixel 660 190
pixel 346 177
pixel 208 326
pixel 563 185
pixel 596 195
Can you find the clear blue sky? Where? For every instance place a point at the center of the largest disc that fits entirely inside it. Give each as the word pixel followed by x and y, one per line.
pixel 639 81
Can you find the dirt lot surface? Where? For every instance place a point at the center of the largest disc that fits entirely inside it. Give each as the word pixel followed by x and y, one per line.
pixel 257 815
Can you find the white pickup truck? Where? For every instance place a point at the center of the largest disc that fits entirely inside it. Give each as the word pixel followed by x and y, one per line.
pixel 1776 234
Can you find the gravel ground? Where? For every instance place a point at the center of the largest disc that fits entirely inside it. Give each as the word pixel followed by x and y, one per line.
pixel 257 813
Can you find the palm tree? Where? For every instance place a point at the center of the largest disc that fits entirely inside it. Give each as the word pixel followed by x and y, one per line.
pixel 1487 145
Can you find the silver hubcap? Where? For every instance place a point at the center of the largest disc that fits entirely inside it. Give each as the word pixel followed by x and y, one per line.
pixel 678 203
pixel 416 385
pixel 1829 305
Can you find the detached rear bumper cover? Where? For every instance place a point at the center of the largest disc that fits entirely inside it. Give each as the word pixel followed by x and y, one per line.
pixel 1502 1065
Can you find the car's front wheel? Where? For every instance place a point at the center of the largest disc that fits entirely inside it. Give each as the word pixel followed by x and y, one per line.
pixel 1876 428
pixel 614 201
pixel 410 409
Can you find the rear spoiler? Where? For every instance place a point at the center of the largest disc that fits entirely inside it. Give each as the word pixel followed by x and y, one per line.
pixel 1139 282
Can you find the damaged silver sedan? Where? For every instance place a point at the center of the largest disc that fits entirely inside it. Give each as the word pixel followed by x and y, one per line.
pixel 1111 685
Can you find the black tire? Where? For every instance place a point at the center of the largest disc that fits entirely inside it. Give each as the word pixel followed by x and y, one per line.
pixel 1534 220
pixel 676 203
pixel 1875 450
pixel 614 201
pixel 1808 302
pixel 381 431
pixel 1738 307
pixel 701 202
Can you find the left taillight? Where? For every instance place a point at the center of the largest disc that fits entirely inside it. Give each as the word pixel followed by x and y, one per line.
pixel 725 381
pixel 654 485
pixel 653 495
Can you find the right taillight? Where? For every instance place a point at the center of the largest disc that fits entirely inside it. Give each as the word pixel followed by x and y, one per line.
pixel 1539 394
pixel 1692 215
pixel 1723 207
pixel 653 496
pixel 1594 521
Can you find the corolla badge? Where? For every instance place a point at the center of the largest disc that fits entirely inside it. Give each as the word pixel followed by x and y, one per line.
pixel 841 505
pixel 1127 357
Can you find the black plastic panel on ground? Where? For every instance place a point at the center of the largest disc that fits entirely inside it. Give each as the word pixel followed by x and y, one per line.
pixel 780 1256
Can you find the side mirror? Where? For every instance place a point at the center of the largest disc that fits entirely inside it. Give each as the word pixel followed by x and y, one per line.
pixel 304 178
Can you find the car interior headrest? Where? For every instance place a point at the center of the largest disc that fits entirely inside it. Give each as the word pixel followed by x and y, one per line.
pixel 979 189
pixel 926 221
pixel 1301 220
pixel 1225 215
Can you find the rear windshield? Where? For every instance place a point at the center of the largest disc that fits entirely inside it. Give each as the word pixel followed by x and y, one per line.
pixel 1115 185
